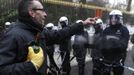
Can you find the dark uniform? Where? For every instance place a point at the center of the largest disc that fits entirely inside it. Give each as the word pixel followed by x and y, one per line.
pixel 112 44
pixel 1 31
pixel 95 53
pixel 80 48
pixel 65 47
pixel 50 52
pixel 132 39
pixel 132 52
pixel 14 46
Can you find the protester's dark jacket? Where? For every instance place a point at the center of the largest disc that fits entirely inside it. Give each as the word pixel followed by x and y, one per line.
pixel 14 46
pixel 112 47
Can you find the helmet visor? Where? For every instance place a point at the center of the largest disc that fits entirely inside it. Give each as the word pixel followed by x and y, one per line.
pixel 115 19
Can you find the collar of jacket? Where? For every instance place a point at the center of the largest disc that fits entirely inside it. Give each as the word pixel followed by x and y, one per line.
pixel 116 26
pixel 30 25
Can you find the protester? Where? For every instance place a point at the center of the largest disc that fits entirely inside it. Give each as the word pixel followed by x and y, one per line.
pixel 80 46
pixel 23 46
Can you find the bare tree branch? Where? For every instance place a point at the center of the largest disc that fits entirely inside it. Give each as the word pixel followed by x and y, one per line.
pixel 129 5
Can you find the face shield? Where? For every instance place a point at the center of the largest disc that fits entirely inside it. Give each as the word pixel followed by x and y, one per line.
pixel 63 24
pixel 115 19
pixel 49 28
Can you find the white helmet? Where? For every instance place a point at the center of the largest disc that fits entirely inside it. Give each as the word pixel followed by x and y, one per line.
pixel 78 21
pixel 50 25
pixel 64 19
pixel 118 15
pixel 99 21
pixel 7 24
pixel 55 28
pixel 116 12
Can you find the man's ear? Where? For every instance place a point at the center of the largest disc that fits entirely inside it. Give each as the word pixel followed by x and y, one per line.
pixel 31 13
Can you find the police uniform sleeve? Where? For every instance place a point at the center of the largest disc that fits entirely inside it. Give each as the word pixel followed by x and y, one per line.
pixel 8 63
pixel 132 39
pixel 54 36
pixel 125 38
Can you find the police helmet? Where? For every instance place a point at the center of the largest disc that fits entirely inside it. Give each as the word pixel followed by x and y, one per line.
pixel 63 19
pixel 7 24
pixel 118 16
pixel 49 26
pixel 99 21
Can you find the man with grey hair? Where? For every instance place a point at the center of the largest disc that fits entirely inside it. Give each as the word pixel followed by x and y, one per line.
pixel 23 46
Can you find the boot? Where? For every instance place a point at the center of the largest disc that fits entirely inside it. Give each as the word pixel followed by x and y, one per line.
pixel 81 70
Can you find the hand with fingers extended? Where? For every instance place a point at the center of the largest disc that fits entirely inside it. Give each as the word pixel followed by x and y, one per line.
pixel 89 21
pixel 35 55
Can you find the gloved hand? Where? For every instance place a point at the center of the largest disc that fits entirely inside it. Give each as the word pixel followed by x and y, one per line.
pixel 35 55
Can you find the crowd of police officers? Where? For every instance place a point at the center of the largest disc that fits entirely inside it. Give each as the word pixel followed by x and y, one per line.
pixel 108 46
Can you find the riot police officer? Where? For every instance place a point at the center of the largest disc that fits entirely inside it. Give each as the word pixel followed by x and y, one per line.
pixel 51 48
pixel 95 53
pixel 65 47
pixel 113 44
pixel 80 46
